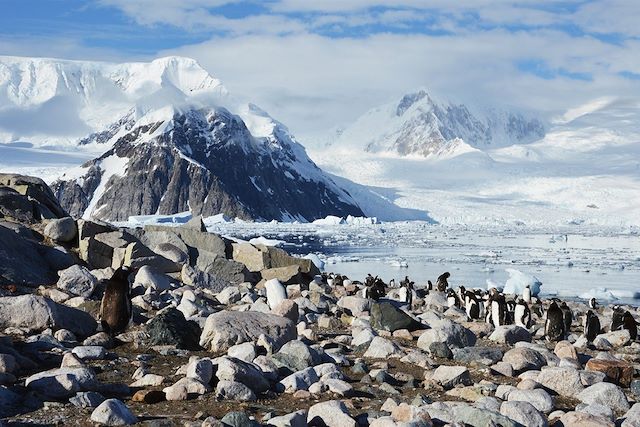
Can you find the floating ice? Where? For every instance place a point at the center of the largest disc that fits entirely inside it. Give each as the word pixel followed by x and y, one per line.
pixel 316 260
pixel 266 242
pixel 518 280
pixel 599 294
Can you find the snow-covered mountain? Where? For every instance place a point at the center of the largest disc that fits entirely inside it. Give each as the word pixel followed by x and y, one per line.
pixel 171 138
pixel 419 125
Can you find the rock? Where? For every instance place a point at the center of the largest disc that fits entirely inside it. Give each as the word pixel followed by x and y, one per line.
pixel 441 350
pixel 582 419
pixel 632 417
pixel 190 386
pixel 252 256
pixel 229 295
pixel 449 332
pixel 101 338
pixel 234 391
pixel 40 200
pixel 468 415
pixel 35 313
pixel 149 278
pixel 564 349
pixel 339 387
pixel 616 338
pixel 296 356
pixel 148 396
pixel 176 392
pixel 564 381
pixel 7 363
pixel 288 275
pixel 191 276
pixel 411 414
pixel 61 230
pixel 503 368
pixel 483 355
pixel 524 413
pixel 148 380
pixel 62 382
pixel 294 419
pixel 450 376
pixel 90 352
pixel 524 359
pixel 230 369
pixel 596 409
pixel 238 419
pixel 618 372
pixel 385 316
pixel 245 351
pixel 201 370
pixel 112 412
pixel 382 348
pixel 170 327
pixel 288 309
pixel 172 252
pixel 363 338
pixel 357 306
pixel 510 334
pixel 70 360
pixel 588 378
pixel 539 398
pixel 332 413
pixel 605 394
pixel 227 328
pixel 300 380
pixel 87 399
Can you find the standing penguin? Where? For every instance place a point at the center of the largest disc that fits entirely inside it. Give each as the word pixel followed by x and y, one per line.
pixel 617 319
pixel 499 310
pixel 593 304
pixel 567 316
pixel 472 305
pixel 441 283
pixel 526 294
pixel 408 285
pixel 591 326
pixel 429 286
pixel 522 314
pixel 630 324
pixel 115 308
pixel 452 298
pixel 554 325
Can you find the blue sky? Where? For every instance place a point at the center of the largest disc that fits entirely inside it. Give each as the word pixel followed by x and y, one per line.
pixel 319 63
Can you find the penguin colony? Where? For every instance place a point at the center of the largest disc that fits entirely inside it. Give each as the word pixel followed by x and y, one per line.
pixel 499 309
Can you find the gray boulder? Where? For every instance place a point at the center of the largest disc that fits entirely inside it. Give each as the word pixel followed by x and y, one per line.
pixel 112 412
pixel 539 398
pixel 510 334
pixel 61 230
pixel 234 390
pixel 227 328
pixel 447 331
pixel 332 413
pixel 524 413
pixel 62 382
pixel 606 394
pixel 564 381
pixel 524 359
pixel 385 316
pixel 36 313
pixel 171 328
pixel 231 369
pixel 483 355
pixel 450 376
pixel 296 355
pixel 77 280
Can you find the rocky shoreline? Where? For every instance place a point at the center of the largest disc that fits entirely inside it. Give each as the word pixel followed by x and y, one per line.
pixel 227 333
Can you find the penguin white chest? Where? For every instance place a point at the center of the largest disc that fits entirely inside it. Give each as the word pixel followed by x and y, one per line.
pixel 495 313
pixel 526 295
pixel 519 315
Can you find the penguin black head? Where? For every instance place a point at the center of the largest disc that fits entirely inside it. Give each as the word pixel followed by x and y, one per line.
pixel 593 303
pixel 122 274
pixel 446 275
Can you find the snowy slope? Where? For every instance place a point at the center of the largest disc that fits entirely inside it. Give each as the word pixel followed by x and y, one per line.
pixel 585 170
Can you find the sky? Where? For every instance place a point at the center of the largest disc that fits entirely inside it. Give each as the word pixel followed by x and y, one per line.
pixel 316 65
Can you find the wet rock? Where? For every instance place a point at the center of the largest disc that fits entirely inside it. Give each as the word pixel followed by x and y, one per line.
pixel 510 334
pixel 524 413
pixel 385 316
pixel 618 372
pixel 449 332
pixel 227 328
pixel 171 328
pixel 524 359
pixel 332 413
pixel 61 230
pixel 605 394
pixel 113 412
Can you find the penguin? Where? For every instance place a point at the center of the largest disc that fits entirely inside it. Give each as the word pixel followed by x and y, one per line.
pixel 429 286
pixel 630 324
pixel 591 326
pixel 593 304
pixel 509 318
pixel 498 310
pixel 461 296
pixel 567 317
pixel 442 283
pixel 408 285
pixel 554 324
pixel 522 314
pixel 452 298
pixel 472 305
pixel 115 307
pixel 488 301
pixel 526 294
pixel 617 321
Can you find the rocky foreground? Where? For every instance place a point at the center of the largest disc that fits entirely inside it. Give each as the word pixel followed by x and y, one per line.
pixel 235 334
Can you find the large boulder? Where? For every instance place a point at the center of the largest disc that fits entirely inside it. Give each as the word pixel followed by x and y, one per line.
pixel 77 280
pixel 564 381
pixel 36 313
pixel 385 316
pixel 256 258
pixel 606 394
pixel 61 230
pixel 227 328
pixel 510 334
pixel 27 199
pixel 449 332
